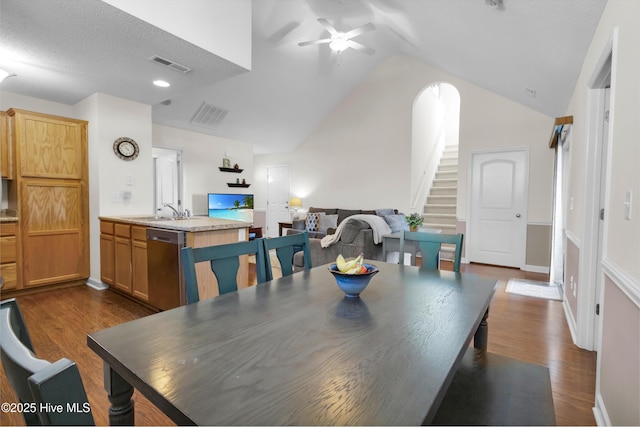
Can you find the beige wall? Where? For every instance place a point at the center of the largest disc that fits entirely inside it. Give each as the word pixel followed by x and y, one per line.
pixel 361 151
pixel 572 278
pixel 618 390
pixel 538 249
pixel 620 357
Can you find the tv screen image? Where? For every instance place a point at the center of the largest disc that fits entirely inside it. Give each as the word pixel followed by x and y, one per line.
pixel 238 207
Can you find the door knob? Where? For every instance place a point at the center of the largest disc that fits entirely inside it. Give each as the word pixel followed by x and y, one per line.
pixel 518 215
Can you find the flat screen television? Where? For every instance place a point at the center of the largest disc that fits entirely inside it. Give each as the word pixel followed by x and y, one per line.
pixel 238 207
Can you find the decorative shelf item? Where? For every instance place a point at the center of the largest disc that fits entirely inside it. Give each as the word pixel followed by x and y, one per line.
pixel 235 170
pixel 233 184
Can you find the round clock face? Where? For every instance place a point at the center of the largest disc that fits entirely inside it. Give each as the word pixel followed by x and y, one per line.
pixel 126 148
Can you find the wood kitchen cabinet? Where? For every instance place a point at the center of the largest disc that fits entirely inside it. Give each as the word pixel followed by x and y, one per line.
pixel 9 255
pixel 107 253
pixel 123 258
pixel 50 194
pixel 139 275
pixel 122 244
pixel 6 147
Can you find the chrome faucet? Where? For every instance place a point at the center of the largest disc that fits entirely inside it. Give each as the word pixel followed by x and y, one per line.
pixel 184 214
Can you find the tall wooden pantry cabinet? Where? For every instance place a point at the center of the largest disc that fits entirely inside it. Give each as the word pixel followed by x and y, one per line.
pixel 50 193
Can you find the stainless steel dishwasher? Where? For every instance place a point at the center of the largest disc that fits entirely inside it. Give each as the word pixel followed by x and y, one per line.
pixel 166 280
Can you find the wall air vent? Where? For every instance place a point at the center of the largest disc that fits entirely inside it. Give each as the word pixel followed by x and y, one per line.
pixel 169 64
pixel 209 116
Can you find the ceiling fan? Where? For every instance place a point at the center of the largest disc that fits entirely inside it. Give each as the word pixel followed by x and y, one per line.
pixel 339 42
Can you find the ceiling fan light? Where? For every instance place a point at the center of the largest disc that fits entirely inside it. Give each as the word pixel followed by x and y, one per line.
pixel 339 43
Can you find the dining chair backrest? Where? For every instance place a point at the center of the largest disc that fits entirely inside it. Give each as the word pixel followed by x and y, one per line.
pixel 224 261
pixel 430 245
pixel 286 247
pixel 39 384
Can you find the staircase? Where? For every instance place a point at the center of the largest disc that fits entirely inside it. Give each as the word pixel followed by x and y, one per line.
pixel 440 209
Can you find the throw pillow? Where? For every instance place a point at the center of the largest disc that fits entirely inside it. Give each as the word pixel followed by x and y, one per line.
pixel 385 212
pixel 312 221
pixel 326 222
pixel 396 222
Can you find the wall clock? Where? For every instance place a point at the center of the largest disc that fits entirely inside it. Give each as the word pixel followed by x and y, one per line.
pixel 126 148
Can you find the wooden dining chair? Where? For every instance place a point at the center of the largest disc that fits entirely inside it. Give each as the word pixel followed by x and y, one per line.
pixel 430 245
pixel 286 247
pixel 39 384
pixel 225 263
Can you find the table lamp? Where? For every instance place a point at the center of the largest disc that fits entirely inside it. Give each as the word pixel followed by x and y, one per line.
pixel 295 203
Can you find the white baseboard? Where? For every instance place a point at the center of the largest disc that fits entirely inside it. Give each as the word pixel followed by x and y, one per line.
pixel 600 412
pixel 97 284
pixel 571 321
pixel 536 269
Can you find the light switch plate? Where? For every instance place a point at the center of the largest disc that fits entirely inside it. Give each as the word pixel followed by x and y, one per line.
pixel 627 204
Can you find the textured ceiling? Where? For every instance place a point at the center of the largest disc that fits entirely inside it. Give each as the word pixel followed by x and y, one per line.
pixel 65 50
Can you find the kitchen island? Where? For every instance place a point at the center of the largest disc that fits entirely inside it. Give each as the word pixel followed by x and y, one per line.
pixel 139 255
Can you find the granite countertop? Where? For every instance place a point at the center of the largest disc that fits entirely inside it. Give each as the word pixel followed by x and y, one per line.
pixel 192 224
pixel 8 215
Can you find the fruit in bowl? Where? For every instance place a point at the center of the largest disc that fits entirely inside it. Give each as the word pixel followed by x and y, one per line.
pixel 352 276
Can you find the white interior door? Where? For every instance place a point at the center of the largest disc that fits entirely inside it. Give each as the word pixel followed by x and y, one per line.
pixel 167 180
pixel 497 230
pixel 277 198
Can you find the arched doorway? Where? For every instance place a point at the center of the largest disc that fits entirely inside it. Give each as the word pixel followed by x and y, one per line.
pixel 434 155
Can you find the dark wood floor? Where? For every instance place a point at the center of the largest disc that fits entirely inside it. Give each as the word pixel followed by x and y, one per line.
pixel 525 328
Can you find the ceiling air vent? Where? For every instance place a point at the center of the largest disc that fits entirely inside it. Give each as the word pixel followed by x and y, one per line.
pixel 169 64
pixel 209 116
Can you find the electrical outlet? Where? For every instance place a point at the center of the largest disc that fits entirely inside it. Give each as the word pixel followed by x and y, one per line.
pixel 129 180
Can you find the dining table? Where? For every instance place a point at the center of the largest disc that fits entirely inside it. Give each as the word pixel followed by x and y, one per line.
pixel 297 351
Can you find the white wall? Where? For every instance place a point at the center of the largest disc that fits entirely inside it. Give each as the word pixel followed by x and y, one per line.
pixel 618 384
pixel 109 119
pixel 428 130
pixel 222 27
pixel 112 118
pixel 202 155
pixel 359 157
pixel 12 100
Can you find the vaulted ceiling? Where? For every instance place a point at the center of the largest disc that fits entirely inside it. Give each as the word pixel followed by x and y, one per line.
pixel 529 51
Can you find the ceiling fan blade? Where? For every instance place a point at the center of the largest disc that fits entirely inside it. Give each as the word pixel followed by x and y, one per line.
pixel 314 42
pixel 328 26
pixel 360 30
pixel 361 48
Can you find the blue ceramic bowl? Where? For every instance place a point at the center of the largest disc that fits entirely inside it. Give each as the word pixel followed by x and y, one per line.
pixel 353 284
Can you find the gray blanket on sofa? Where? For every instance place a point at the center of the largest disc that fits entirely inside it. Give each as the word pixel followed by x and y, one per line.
pixel 377 223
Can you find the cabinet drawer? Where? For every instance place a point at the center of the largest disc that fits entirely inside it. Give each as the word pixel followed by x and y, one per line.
pixel 122 230
pixel 10 276
pixel 139 233
pixel 7 249
pixel 106 227
pixel 8 228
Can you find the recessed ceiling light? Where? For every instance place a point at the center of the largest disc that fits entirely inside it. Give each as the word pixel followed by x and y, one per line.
pixel 161 83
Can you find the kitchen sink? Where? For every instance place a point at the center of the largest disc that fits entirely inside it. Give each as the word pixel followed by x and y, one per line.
pixel 152 218
pixel 159 218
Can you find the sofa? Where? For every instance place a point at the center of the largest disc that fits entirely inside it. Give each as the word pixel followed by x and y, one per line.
pixel 356 236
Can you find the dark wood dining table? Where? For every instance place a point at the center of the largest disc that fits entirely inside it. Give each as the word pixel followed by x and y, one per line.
pixel 296 351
